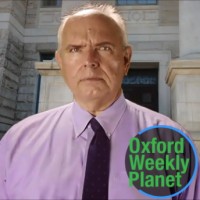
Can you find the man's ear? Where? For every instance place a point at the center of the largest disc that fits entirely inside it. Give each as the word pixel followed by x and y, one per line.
pixel 127 59
pixel 58 59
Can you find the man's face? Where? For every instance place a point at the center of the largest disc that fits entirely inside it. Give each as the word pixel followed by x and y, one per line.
pixel 92 58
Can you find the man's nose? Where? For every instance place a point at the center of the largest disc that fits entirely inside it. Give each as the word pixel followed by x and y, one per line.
pixel 91 58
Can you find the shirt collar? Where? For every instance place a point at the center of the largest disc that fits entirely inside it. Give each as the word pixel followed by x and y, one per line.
pixel 80 118
pixel 108 118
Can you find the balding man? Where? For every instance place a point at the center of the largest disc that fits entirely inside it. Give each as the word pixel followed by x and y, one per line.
pixel 77 151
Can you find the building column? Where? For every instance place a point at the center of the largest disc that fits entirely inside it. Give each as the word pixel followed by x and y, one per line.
pixel 183 75
pixel 53 90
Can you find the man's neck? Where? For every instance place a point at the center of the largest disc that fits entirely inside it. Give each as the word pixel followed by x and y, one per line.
pixel 96 106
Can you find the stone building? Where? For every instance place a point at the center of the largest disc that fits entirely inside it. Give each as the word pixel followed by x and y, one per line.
pixel 165 70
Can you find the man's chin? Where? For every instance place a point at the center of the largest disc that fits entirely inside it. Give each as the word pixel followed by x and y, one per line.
pixel 92 96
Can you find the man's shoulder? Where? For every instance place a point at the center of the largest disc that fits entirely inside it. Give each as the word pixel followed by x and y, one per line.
pixel 44 118
pixel 148 117
pixel 48 113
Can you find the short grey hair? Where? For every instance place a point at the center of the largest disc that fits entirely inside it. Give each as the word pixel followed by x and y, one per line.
pixel 107 10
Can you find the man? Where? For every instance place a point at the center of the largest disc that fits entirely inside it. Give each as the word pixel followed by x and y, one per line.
pixel 46 156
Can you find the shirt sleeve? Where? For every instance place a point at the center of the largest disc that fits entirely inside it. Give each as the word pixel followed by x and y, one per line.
pixel 3 194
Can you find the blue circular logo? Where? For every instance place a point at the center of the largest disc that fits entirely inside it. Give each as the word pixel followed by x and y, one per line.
pixel 161 161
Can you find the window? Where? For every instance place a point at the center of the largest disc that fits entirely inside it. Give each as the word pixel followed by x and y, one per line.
pixel 51 3
pixel 136 2
pixel 47 56
pixel 141 85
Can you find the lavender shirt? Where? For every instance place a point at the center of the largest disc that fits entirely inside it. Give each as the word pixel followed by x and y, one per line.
pixel 44 156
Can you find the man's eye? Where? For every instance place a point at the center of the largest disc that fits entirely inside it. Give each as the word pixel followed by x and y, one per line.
pixel 104 48
pixel 74 50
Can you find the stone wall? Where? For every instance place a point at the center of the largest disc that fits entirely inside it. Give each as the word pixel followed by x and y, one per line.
pixel 11 56
pixel 19 11
pixel 6 6
pixel 10 73
pixel 29 79
pixel 32 13
pixel 21 41
pixel 27 93
pixel 169 12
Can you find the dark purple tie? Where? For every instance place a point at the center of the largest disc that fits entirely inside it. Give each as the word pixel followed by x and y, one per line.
pixel 97 167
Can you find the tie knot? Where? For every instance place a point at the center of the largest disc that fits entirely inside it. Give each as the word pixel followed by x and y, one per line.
pixel 95 125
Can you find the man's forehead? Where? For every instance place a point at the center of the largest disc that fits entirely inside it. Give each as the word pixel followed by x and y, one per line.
pixel 91 24
pixel 87 12
pixel 93 17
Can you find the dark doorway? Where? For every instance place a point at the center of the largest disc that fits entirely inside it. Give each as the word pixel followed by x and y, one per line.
pixel 141 87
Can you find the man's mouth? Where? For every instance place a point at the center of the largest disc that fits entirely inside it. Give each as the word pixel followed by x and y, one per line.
pixel 92 79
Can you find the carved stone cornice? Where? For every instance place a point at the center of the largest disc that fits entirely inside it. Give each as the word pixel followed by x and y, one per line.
pixel 140 14
pixel 182 67
pixel 48 68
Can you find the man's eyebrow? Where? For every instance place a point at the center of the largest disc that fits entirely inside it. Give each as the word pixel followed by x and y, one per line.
pixel 74 45
pixel 82 45
pixel 104 43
